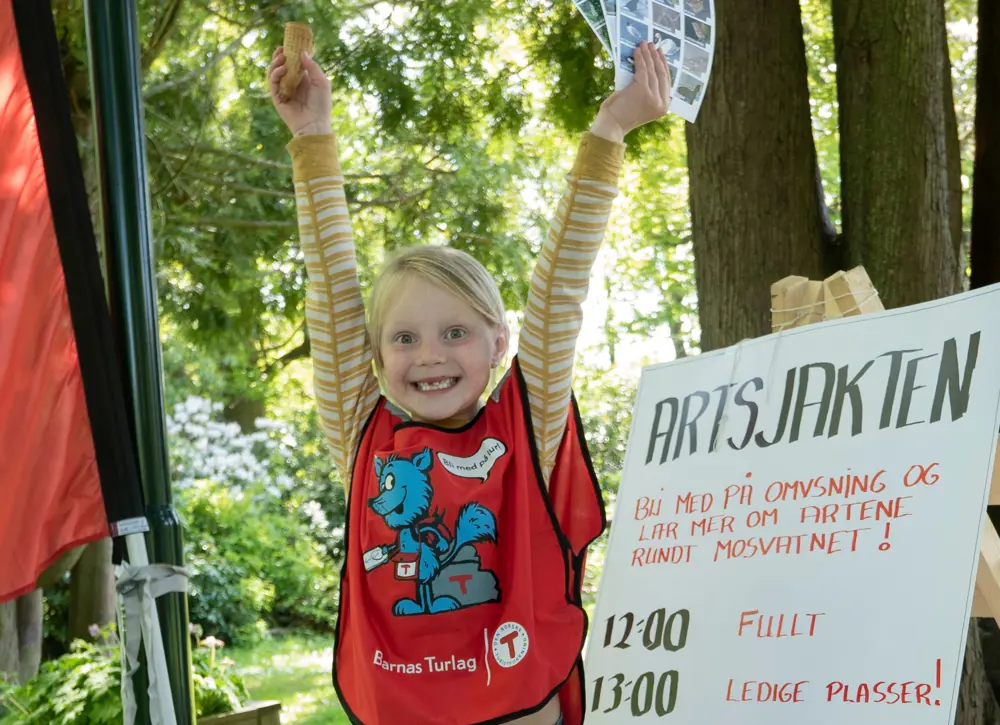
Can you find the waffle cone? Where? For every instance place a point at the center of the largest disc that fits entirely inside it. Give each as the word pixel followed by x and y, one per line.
pixel 298 38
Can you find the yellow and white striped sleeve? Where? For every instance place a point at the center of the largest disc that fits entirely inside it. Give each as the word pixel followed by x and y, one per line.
pixel 554 312
pixel 344 382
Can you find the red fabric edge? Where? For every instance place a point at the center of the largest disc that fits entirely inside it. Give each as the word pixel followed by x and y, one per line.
pixel 89 539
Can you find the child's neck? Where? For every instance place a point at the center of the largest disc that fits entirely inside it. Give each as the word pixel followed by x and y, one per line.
pixel 455 421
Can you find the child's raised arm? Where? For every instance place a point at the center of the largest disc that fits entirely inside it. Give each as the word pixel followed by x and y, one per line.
pixel 554 312
pixel 345 385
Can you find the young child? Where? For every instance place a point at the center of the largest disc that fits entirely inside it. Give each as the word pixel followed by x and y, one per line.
pixel 468 519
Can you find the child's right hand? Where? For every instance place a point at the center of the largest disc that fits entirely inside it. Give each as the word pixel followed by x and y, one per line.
pixel 308 110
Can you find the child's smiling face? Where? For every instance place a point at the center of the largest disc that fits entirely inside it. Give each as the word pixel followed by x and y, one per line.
pixel 437 352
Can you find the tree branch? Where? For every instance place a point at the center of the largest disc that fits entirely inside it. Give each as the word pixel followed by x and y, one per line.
pixel 247 158
pixel 223 223
pixel 161 32
pixel 203 70
pixel 296 353
pixel 223 184
pixel 212 11
pixel 392 200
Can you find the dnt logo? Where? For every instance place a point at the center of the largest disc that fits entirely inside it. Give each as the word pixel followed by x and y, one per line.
pixel 510 644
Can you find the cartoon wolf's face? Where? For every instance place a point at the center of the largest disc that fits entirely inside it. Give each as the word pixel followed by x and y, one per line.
pixel 405 489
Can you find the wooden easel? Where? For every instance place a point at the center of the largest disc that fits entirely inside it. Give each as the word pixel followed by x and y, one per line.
pixel 798 301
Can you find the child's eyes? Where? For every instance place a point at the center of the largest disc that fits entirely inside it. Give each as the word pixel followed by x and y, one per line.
pixel 405 338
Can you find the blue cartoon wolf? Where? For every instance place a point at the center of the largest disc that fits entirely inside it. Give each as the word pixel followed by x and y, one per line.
pixel 424 547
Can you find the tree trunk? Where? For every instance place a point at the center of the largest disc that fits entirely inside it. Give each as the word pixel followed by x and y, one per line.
pixel 21 637
pixel 895 137
pixel 29 634
pixel 985 243
pixel 56 571
pixel 756 212
pixel 244 412
pixel 92 590
pixel 976 703
pixel 8 639
pixel 985 251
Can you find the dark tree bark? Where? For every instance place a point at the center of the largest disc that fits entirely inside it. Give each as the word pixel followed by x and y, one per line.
pixel 92 590
pixel 244 412
pixel 8 639
pixel 897 151
pixel 29 634
pixel 56 571
pixel 976 702
pixel 985 246
pixel 985 243
pixel 756 212
pixel 21 637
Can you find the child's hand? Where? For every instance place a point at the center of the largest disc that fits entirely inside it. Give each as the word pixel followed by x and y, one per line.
pixel 645 99
pixel 308 110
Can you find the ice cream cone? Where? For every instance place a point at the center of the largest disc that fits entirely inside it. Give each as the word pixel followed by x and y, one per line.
pixel 298 38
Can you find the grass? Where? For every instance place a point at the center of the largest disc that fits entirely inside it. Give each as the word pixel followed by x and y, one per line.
pixel 294 670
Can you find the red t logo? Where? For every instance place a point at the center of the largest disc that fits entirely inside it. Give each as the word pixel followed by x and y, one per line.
pixel 508 639
pixel 462 579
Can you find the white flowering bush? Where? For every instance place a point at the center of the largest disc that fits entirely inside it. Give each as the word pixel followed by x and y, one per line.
pixel 204 447
pixel 263 521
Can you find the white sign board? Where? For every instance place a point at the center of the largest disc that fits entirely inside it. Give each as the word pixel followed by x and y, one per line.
pixel 796 534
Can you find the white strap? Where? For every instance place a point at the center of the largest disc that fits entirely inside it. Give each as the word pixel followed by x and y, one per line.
pixel 139 587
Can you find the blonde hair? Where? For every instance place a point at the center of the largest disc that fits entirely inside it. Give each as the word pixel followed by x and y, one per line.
pixel 450 269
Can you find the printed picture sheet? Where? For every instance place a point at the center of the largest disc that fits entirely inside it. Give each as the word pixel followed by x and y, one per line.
pixel 610 8
pixel 796 534
pixel 594 15
pixel 683 29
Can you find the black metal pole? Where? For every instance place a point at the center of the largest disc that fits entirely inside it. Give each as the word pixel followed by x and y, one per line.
pixel 112 29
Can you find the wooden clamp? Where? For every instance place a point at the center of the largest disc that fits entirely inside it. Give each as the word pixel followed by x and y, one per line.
pixel 798 301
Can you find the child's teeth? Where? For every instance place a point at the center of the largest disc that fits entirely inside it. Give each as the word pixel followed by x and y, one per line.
pixel 438 385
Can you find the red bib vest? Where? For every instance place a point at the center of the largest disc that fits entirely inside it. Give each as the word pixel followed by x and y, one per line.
pixel 460 593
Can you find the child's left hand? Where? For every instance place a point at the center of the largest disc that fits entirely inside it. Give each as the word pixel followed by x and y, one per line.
pixel 645 99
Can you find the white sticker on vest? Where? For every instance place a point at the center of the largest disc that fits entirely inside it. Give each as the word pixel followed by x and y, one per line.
pixel 477 465
pixel 510 644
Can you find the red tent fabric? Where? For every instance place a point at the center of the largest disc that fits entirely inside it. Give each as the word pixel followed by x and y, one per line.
pixel 51 496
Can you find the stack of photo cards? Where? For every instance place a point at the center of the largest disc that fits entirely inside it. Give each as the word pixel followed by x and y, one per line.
pixel 610 8
pixel 594 15
pixel 683 29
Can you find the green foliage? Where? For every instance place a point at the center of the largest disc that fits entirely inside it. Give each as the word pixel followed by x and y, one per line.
pixel 428 124
pixel 577 71
pixel 250 558
pixel 962 37
pixel 55 618
pixel 817 28
pixel 259 546
pixel 218 688
pixel 83 687
pixel 606 411
pixel 455 123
